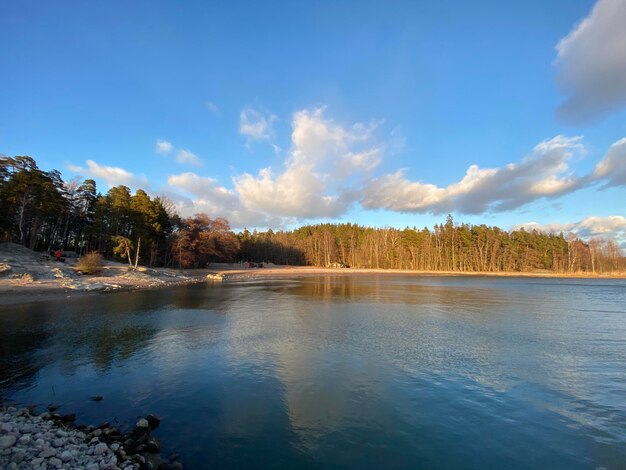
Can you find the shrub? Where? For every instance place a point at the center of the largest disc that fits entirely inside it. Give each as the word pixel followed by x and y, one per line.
pixel 91 263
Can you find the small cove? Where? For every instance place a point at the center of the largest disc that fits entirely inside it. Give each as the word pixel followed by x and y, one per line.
pixel 349 371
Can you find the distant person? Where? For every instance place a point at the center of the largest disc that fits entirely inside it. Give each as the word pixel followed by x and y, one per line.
pixel 57 255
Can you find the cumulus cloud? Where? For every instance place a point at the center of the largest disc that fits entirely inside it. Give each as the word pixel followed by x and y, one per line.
pixel 256 125
pixel 205 194
pixel 331 167
pixel 112 175
pixel 612 168
pixel 163 146
pixel 187 157
pixel 543 173
pixel 322 175
pixel 591 64
pixel 613 227
pixel 205 188
pixel 315 181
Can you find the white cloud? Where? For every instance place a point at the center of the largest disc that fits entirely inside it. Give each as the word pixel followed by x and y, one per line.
pixel 112 175
pixel 314 183
pixel 163 146
pixel 323 170
pixel 183 156
pixel 205 188
pixel 612 227
pixel 206 195
pixel 212 107
pixel 612 168
pixel 256 125
pixel 543 173
pixel 187 157
pixel 331 166
pixel 198 185
pixel 591 64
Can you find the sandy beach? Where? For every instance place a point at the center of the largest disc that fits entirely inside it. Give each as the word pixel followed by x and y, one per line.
pixel 27 276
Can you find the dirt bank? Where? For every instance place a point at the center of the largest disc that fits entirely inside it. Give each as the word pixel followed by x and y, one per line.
pixel 281 272
pixel 27 276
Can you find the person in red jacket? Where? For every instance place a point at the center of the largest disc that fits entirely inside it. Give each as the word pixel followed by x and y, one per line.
pixel 57 255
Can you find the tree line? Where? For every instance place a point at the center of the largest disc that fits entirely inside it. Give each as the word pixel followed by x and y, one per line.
pixel 41 211
pixel 446 247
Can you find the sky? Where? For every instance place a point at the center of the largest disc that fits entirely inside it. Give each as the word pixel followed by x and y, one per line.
pixel 382 113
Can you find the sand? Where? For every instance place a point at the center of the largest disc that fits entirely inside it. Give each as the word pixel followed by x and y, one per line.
pixel 28 276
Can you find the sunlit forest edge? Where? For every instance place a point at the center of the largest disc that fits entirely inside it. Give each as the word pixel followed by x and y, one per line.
pixel 41 211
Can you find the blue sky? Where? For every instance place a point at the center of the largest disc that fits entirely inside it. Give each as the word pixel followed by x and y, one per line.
pixel 282 113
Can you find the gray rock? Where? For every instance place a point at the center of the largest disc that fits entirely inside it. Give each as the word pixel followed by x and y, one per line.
pixel 25 439
pixel 6 427
pixel 153 446
pixel 37 461
pixel 18 456
pixel 142 427
pixel 26 429
pixel 55 462
pixel 100 448
pixel 7 441
pixel 114 446
pixel 47 453
pixel 66 456
pixel 58 443
pixel 154 420
pixel 92 466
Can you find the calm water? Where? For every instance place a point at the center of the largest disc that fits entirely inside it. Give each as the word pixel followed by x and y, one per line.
pixel 342 372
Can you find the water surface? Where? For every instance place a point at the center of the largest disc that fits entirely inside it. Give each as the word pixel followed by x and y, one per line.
pixel 341 372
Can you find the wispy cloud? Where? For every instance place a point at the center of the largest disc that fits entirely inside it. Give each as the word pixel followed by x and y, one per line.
pixel 612 227
pixel 187 157
pixel 213 107
pixel 591 64
pixel 163 146
pixel 112 175
pixel 183 156
pixel 544 173
pixel 612 168
pixel 256 125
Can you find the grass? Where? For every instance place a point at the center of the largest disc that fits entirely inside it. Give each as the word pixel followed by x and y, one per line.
pixel 91 263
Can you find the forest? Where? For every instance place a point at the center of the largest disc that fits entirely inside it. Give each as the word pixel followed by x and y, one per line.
pixel 41 211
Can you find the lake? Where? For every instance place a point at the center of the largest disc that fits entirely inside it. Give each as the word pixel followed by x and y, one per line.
pixel 359 371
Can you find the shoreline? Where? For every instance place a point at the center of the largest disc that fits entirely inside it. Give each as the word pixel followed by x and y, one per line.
pixel 230 274
pixel 12 293
pixel 29 439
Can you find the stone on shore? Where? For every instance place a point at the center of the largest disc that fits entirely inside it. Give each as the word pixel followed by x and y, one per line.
pixel 7 441
pixel 52 441
pixel 142 427
pixel 153 420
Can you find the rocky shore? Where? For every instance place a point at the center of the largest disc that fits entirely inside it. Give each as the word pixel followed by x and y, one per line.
pixel 51 441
